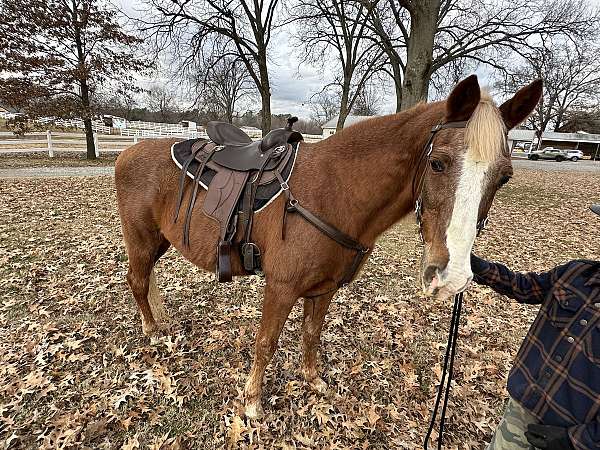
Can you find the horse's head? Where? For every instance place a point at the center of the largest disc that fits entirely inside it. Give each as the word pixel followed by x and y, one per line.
pixel 468 164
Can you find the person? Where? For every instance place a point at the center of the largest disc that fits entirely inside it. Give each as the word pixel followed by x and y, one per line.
pixel 554 384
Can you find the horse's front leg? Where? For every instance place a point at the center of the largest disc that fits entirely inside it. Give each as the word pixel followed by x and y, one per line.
pixel 277 304
pixel 314 314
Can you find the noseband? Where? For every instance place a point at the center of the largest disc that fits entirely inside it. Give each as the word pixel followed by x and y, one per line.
pixel 419 181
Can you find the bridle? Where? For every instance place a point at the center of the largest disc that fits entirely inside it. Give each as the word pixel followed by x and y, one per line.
pixel 417 190
pixel 419 180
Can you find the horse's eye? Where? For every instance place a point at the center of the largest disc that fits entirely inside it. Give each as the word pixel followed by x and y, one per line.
pixel 505 179
pixel 437 165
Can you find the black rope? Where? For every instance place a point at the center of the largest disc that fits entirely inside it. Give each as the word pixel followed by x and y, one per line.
pixel 448 369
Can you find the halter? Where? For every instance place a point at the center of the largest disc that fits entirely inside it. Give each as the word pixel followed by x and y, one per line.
pixel 417 186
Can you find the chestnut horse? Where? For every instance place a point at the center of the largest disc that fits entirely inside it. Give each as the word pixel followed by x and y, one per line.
pixel 361 180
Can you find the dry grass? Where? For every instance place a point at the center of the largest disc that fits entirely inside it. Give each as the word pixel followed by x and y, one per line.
pixel 76 372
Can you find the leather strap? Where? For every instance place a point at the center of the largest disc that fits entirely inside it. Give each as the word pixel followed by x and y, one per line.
pixel 294 206
pixel 188 215
pixel 183 177
pixel 419 177
pixel 428 148
pixel 224 271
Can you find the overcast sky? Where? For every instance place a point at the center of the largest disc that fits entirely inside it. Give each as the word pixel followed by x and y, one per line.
pixel 292 83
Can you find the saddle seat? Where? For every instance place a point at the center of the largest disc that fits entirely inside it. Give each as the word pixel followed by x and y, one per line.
pixel 238 152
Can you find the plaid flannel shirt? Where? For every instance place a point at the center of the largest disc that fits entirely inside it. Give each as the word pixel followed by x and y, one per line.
pixel 556 375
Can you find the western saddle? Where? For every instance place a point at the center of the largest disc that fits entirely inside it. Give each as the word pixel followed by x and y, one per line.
pixel 240 167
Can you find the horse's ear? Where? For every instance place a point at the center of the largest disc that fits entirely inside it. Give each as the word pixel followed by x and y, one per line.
pixel 463 100
pixel 516 110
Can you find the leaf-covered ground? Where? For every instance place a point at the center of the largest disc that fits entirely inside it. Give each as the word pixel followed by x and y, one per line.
pixel 60 159
pixel 76 371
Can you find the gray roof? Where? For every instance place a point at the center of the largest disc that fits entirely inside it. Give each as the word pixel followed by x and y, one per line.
pixel 350 120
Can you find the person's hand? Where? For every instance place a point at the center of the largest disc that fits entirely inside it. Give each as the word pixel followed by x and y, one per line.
pixel 548 437
pixel 478 265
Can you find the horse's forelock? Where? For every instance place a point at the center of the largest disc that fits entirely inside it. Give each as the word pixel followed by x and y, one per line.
pixel 485 132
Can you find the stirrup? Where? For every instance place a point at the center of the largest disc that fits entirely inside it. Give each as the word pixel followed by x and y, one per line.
pixel 251 257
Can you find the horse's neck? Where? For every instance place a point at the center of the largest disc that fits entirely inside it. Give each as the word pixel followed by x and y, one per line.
pixel 368 171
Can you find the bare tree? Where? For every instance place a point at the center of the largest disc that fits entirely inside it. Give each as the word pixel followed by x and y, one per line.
pixel 310 126
pixel 422 37
pixel 587 120
pixel 222 85
pixel 196 30
pixel 367 102
pixel 339 28
pixel 571 72
pixel 117 103
pixel 324 105
pixel 163 101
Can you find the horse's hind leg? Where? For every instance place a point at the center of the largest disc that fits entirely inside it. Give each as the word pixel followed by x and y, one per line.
pixel 143 254
pixel 277 304
pixel 314 315
pixel 154 299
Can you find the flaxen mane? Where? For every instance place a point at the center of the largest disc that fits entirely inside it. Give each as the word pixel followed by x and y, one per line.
pixel 485 132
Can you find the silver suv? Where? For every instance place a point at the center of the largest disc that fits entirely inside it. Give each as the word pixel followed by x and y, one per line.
pixel 574 155
pixel 548 153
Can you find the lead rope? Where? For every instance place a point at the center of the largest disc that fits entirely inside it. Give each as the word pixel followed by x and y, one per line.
pixel 448 362
pixel 447 370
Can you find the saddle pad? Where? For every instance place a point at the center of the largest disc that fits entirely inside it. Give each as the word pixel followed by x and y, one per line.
pixel 265 194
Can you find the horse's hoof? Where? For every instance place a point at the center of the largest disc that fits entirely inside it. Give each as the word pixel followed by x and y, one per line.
pixel 254 411
pixel 318 385
pixel 157 329
pixel 150 329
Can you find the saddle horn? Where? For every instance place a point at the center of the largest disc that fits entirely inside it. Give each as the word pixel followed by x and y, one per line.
pixel 291 121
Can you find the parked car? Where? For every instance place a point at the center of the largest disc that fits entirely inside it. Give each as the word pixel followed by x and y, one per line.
pixel 574 155
pixel 548 153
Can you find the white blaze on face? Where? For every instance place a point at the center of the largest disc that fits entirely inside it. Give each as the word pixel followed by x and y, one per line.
pixel 461 232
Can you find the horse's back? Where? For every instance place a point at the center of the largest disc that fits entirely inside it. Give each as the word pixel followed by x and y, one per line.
pixel 145 162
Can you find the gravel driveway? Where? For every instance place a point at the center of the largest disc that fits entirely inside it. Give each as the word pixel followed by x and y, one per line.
pixel 553 166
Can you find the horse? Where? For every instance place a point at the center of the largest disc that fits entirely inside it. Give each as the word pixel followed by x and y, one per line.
pixel 449 157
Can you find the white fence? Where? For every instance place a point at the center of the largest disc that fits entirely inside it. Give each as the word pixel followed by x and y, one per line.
pixel 157 133
pixel 52 142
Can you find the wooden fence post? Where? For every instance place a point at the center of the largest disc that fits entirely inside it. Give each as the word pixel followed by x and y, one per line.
pixel 135 139
pixel 50 149
pixel 96 146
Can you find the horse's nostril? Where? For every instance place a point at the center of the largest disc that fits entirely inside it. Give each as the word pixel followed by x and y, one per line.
pixel 429 273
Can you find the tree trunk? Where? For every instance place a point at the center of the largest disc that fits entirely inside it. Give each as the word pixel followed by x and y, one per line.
pixel 561 113
pixel 87 121
pixel 265 93
pixel 85 92
pixel 265 120
pixel 419 58
pixel 397 71
pixel 89 139
pixel 343 106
